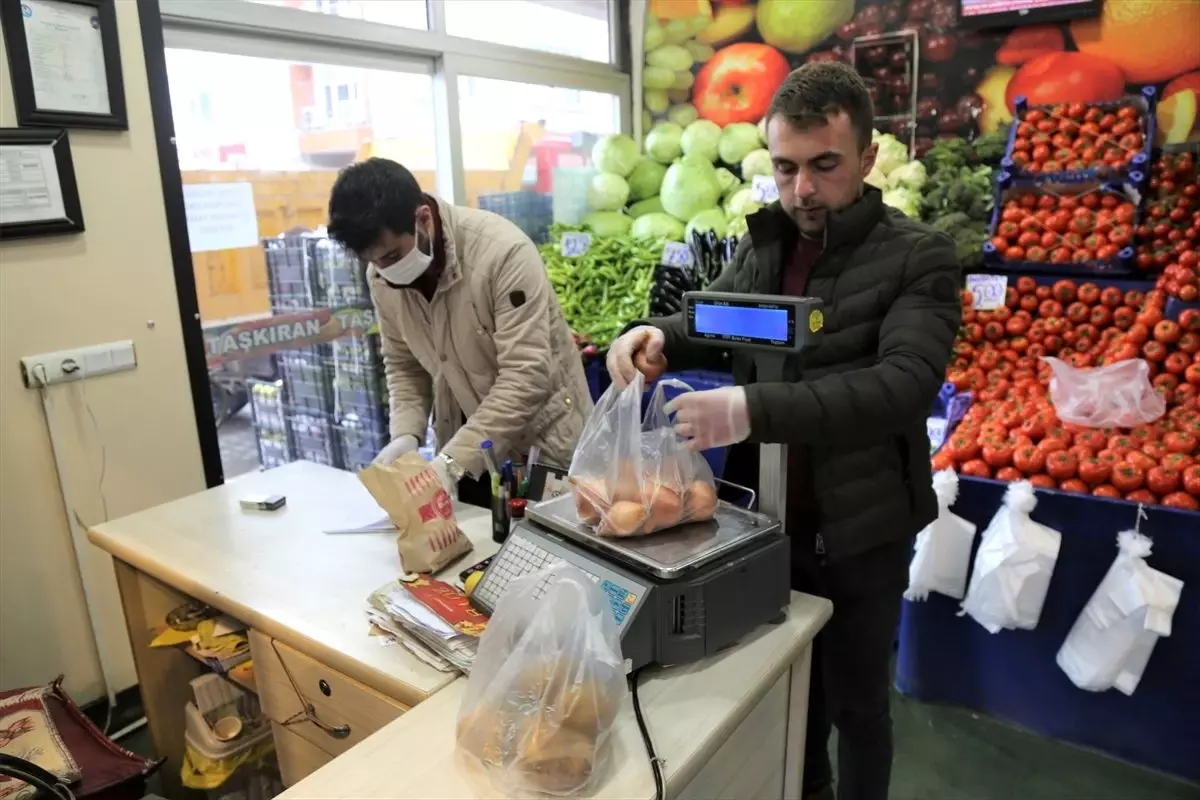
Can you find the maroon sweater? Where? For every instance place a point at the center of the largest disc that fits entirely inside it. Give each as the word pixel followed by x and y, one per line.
pixel 800 505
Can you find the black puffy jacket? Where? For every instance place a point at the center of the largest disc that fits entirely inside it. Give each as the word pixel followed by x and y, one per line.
pixel 857 401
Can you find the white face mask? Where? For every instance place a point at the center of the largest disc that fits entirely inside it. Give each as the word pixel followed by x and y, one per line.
pixel 411 266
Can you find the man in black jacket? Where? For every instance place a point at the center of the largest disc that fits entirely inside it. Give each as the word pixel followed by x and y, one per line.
pixel 852 410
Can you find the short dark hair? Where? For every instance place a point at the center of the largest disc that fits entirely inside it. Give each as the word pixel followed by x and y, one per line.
pixel 812 92
pixel 370 197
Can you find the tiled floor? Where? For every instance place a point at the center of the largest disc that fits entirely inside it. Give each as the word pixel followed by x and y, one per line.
pixel 945 753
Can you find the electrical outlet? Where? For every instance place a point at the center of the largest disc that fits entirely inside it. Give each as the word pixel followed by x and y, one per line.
pixel 62 366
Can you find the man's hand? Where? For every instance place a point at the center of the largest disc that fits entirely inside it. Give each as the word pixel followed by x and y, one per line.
pixel 716 418
pixel 639 350
pixel 396 448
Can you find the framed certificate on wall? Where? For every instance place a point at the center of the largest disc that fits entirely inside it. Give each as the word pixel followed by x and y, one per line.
pixel 66 63
pixel 38 193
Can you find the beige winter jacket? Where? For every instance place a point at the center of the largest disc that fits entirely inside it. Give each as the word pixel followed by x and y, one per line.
pixel 492 345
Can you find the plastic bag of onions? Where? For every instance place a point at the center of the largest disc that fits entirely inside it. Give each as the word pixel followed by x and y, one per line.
pixel 633 476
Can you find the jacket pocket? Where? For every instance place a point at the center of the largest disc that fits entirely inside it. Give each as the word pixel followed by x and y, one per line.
pixel 555 428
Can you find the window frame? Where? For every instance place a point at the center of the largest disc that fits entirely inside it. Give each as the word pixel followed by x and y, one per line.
pixel 240 27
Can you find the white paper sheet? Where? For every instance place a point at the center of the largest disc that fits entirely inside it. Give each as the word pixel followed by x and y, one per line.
pixel 29 187
pixel 66 56
pixel 220 216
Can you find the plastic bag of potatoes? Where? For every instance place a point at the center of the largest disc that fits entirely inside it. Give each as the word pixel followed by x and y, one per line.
pixel 545 688
pixel 632 476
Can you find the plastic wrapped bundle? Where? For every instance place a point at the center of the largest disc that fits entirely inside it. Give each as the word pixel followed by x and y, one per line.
pixel 942 557
pixel 1112 640
pixel 1013 566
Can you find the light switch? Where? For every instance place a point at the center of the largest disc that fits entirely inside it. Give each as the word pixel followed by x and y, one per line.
pixel 73 365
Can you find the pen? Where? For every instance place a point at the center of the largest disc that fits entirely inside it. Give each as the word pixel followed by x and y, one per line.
pixel 489 456
pixel 535 452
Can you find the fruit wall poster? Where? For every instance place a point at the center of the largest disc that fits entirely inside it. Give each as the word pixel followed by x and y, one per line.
pixel 722 60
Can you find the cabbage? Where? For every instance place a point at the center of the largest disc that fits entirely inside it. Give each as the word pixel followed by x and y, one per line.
pixel 657 78
pixel 662 142
pixel 683 114
pixel 892 152
pixel 607 192
pixel 908 176
pixel 617 154
pixel 757 163
pixel 702 138
pixel 689 187
pixel 657 226
pixel 727 181
pixel 737 227
pixel 712 219
pixel 742 203
pixel 737 141
pixel 647 206
pixel 905 200
pixel 608 223
pixel 656 101
pixel 877 179
pixel 645 179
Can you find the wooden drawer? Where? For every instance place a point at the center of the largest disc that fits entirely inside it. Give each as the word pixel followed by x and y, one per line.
pixel 336 699
pixel 298 757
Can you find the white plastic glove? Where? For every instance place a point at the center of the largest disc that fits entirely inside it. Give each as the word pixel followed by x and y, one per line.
pixel 639 350
pixel 396 448
pixel 715 418
pixel 442 470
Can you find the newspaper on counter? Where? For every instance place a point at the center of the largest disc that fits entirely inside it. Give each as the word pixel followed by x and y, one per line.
pixel 431 619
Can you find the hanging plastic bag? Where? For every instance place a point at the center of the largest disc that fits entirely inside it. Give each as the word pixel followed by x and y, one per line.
pixel 1116 396
pixel 942 558
pixel 632 477
pixel 547 683
pixel 1111 641
pixel 1013 566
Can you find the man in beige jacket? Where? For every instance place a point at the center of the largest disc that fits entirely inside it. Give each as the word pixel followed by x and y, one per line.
pixel 469 326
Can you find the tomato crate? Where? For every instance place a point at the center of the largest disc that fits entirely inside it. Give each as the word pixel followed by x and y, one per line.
pixel 359 441
pixel 1071 121
pixel 291 281
pixel 1084 228
pixel 311 437
pixel 306 381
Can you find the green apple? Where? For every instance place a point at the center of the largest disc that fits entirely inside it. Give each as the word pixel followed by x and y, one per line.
pixel 796 26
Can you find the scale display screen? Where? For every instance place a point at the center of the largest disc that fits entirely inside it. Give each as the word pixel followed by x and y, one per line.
pixel 756 321
pixel 743 322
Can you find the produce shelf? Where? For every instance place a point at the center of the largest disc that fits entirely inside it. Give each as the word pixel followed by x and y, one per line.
pixel 1136 173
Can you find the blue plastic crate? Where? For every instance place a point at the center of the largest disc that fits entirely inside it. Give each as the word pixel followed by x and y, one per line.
pixel 1136 174
pixel 1008 187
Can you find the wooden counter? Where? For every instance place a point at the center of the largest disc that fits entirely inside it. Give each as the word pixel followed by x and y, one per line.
pixel 729 726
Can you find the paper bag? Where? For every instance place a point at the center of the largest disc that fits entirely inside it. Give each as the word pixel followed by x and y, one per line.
pixel 412 495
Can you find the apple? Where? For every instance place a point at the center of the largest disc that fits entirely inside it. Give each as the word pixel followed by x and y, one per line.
pixel 738 82
pixel 797 27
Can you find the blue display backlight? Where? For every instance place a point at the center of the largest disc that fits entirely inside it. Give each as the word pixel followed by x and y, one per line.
pixel 745 322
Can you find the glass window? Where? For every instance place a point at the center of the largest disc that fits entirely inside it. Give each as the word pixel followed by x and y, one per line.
pixel 404 13
pixel 527 148
pixel 286 128
pixel 576 28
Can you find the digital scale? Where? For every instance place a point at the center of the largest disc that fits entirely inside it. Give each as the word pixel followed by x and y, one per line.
pixel 685 593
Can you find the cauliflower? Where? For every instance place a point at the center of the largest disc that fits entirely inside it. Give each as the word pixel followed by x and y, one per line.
pixel 892 152
pixel 907 176
pixel 904 200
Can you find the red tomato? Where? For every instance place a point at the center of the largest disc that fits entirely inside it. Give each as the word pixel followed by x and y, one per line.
pixel 1094 471
pixel 942 460
pixel 1029 459
pixel 963 448
pixel 1061 465
pixel 1043 481
pixel 998 453
pixel 1009 474
pixel 1106 490
pixel 1180 442
pixel 1191 480
pixel 1162 480
pixel 1155 450
pixel 1140 460
pixel 1181 500
pixel 976 468
pixel 1074 485
pixel 1126 477
pixel 1143 496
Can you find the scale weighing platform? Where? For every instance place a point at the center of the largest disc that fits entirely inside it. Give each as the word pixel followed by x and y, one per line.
pixel 677 595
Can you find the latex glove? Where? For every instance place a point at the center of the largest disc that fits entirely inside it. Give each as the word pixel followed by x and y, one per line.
pixel 397 447
pixel 715 418
pixel 639 350
pixel 442 470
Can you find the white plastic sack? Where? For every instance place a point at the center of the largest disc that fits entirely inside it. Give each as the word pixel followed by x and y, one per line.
pixel 1116 396
pixel 1111 641
pixel 1013 566
pixel 546 687
pixel 942 557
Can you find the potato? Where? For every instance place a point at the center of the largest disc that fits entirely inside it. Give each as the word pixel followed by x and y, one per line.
pixel 626 517
pixel 665 504
pixel 701 501
pixel 585 493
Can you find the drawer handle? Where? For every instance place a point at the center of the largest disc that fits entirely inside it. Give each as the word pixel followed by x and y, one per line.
pixel 309 714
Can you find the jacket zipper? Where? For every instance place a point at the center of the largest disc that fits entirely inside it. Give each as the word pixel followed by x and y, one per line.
pixel 820 545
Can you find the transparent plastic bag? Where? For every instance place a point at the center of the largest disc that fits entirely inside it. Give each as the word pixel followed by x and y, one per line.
pixel 1116 396
pixel 1112 640
pixel 942 556
pixel 1013 567
pixel 546 686
pixel 632 476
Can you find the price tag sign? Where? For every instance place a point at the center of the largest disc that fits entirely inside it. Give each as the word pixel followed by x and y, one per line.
pixel 575 244
pixel 677 254
pixel 764 189
pixel 987 291
pixel 936 428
